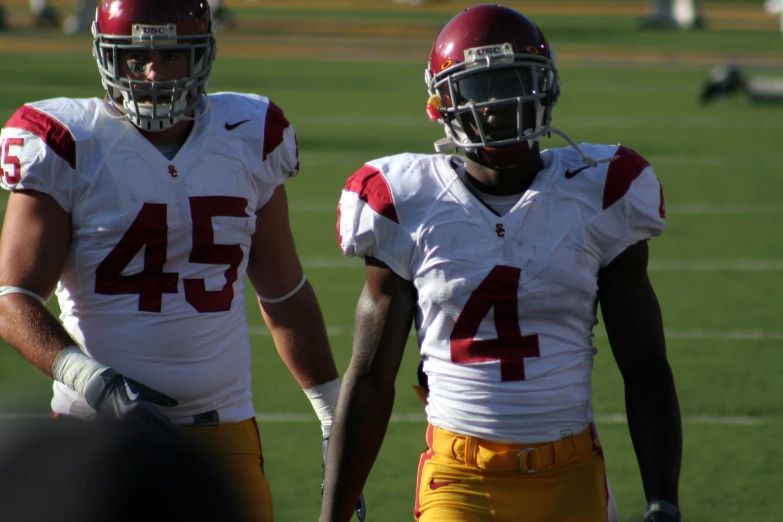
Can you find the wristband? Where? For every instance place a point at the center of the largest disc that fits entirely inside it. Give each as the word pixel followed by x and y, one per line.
pixel 661 506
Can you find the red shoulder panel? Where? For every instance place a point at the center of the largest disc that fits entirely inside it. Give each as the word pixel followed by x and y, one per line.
pixel 274 127
pixel 51 131
pixel 371 187
pixel 621 174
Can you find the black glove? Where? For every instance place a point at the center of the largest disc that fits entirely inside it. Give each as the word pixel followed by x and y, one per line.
pixel 660 511
pixel 361 509
pixel 422 377
pixel 116 397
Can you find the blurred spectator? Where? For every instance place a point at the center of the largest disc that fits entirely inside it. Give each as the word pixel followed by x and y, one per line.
pixel 775 7
pixel 221 15
pixel 81 22
pixel 728 80
pixel 419 2
pixel 93 471
pixel 44 15
pixel 673 14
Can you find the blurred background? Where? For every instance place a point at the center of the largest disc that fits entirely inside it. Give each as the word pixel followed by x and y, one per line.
pixel 349 76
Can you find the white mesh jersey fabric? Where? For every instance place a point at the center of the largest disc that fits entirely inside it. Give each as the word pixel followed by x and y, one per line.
pixel 154 282
pixel 506 304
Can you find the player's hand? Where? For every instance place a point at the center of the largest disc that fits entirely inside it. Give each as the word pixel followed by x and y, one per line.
pixel 116 397
pixel 660 511
pixel 361 509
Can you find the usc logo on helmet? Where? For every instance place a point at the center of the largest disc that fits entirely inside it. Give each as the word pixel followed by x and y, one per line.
pixel 445 65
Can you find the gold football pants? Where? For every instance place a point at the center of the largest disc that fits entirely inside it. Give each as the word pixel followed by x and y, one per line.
pixel 236 451
pixel 465 479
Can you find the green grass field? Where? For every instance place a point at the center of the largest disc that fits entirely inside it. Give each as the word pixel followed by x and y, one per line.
pixel 349 75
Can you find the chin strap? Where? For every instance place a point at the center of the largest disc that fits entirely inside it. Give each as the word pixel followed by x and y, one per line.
pixel 447 145
pixel 588 160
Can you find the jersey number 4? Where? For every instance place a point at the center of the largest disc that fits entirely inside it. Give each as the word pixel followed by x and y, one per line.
pixel 499 291
pixel 150 231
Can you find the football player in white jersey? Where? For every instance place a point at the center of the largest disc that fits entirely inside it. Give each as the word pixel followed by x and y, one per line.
pixel 144 212
pixel 499 258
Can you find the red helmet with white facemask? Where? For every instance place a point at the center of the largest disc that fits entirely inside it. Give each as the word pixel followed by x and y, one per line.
pixel 492 80
pixel 123 26
pixel 493 84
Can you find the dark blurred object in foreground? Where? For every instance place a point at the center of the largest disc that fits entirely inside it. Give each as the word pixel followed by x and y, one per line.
pixel 93 471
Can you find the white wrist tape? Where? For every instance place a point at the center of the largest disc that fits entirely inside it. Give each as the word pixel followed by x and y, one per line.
pixel 76 369
pixel 286 296
pixel 324 397
pixel 5 290
pixel 661 506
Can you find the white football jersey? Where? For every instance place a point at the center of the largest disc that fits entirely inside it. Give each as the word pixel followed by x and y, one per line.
pixel 154 281
pixel 506 304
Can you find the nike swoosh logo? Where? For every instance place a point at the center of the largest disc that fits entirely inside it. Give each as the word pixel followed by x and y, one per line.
pixel 131 394
pixel 436 485
pixel 232 126
pixel 570 173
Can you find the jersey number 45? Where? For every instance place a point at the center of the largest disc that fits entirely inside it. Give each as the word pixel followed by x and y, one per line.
pixel 150 231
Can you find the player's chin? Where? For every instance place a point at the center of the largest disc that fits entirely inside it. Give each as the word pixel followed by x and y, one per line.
pixel 494 134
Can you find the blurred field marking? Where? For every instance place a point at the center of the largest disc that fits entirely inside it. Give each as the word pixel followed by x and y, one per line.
pixel 716 265
pixel 687 122
pixel 656 265
pixel 730 12
pixel 612 418
pixel 530 7
pixel 334 49
pixel 712 208
pixel 590 121
pixel 694 208
pixel 673 334
pixel 705 208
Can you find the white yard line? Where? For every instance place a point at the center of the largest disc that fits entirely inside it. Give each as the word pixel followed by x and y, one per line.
pixel 695 208
pixel 713 208
pixel 716 265
pixel 672 334
pixel 656 265
pixel 614 418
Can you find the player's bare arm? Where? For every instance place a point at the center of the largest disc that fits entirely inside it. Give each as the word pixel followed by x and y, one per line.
pixel 384 315
pixel 634 325
pixel 287 300
pixel 33 247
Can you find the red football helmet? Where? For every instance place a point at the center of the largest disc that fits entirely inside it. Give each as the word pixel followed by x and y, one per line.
pixel 492 83
pixel 144 25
